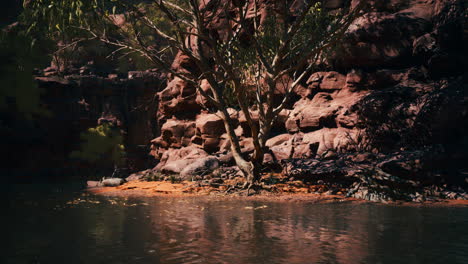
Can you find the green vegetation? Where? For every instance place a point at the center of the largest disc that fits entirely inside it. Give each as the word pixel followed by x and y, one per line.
pixel 153 176
pixel 174 179
pixel 71 24
pixel 103 144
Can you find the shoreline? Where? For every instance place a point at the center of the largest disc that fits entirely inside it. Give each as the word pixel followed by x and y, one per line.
pixel 186 189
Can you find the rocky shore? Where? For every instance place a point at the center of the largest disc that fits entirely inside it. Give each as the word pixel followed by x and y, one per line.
pixel 406 176
pixel 289 191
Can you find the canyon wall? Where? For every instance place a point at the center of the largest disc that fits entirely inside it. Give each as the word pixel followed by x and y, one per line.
pixel 397 83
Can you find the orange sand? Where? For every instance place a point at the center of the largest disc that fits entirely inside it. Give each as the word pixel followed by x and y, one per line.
pixel 281 192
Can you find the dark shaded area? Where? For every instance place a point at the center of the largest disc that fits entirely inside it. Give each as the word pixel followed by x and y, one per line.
pixel 10 11
pixel 76 103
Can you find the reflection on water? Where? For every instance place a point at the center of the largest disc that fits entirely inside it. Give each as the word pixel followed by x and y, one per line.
pixel 64 227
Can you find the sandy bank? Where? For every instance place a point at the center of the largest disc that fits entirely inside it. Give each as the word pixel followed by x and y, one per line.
pixel 279 192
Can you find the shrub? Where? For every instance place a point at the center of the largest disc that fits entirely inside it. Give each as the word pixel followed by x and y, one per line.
pixel 103 143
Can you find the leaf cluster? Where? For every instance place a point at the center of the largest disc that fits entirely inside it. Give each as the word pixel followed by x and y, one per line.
pixel 102 143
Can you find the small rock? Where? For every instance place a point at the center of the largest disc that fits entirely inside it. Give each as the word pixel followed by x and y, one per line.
pixel 112 182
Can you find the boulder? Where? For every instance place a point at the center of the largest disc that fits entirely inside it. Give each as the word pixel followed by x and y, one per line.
pixel 175 167
pixel 277 153
pixel 278 140
pixel 178 132
pixel 281 87
pixel 327 139
pixel 183 63
pixel 224 143
pixel 210 125
pixel 186 153
pixel 280 123
pixel 200 167
pixel 112 182
pixel 328 110
pixel 210 144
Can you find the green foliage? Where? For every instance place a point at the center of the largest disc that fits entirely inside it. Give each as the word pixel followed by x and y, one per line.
pixel 103 143
pixel 174 179
pixel 311 33
pixel 315 25
pixel 60 17
pixel 318 23
pixel 68 21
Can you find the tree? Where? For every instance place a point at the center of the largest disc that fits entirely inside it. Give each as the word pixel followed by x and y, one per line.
pixel 259 45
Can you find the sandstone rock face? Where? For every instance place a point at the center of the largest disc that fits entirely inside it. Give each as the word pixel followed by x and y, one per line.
pixel 316 144
pixel 174 134
pixel 210 130
pixel 278 140
pixel 178 98
pixel 325 109
pixel 327 81
pixel 385 37
pixel 388 79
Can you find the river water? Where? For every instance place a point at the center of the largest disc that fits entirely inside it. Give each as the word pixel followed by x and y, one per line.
pixel 61 224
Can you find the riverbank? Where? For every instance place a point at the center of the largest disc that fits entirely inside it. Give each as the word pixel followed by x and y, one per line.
pixel 140 188
pixel 286 192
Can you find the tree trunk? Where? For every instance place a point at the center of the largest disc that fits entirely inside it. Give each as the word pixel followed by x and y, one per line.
pixel 250 169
